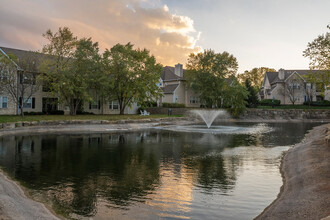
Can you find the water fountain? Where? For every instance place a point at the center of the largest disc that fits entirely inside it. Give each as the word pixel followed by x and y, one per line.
pixel 209 116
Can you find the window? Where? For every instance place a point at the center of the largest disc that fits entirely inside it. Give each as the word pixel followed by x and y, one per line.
pixel 114 105
pixel 27 78
pixel 94 104
pixel 3 102
pixel 193 100
pixel 27 103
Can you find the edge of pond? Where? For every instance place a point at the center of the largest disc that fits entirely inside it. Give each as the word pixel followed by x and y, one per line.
pixel 303 182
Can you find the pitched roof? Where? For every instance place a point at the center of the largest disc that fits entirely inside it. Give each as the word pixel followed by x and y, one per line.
pixel 273 76
pixel 169 89
pixel 23 55
pixel 168 74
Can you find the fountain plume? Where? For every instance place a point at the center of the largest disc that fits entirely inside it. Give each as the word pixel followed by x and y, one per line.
pixel 209 116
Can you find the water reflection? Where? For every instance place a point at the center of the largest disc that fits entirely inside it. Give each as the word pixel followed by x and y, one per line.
pixel 152 173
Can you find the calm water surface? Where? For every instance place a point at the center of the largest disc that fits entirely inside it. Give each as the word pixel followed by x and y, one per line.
pixel 153 174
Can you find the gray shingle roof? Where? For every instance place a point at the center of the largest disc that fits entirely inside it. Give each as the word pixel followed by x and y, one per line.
pixel 168 74
pixel 273 76
pixel 169 89
pixel 23 55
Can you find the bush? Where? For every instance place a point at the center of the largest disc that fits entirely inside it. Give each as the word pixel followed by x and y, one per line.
pixel 270 102
pixel 56 112
pixel 80 112
pixel 173 105
pixel 33 113
pixel 318 103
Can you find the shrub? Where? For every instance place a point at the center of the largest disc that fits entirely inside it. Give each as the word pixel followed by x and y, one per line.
pixel 33 113
pixel 270 102
pixel 56 112
pixel 80 112
pixel 318 103
pixel 173 105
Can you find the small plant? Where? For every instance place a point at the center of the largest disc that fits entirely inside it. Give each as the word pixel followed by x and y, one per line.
pixel 173 105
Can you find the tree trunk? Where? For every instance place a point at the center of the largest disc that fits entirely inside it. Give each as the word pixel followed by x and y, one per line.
pixel 22 110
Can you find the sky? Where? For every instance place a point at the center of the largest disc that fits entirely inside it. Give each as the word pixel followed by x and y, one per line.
pixel 259 33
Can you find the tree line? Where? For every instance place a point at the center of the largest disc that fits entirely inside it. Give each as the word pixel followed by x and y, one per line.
pixel 76 72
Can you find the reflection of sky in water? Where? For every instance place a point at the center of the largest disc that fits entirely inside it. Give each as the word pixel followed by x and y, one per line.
pixel 154 173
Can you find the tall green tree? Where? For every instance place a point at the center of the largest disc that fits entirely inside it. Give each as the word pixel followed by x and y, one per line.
pixel 132 75
pixel 206 74
pixel 252 98
pixel 235 97
pixel 255 76
pixel 72 67
pixel 318 51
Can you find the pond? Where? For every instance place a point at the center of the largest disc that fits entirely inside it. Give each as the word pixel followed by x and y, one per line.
pixel 153 173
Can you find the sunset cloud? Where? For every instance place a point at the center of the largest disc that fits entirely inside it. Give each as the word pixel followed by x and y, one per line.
pixel 168 36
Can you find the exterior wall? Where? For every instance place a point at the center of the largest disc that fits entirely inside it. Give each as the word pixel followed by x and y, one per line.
pixel 190 93
pixel 11 107
pixel 105 109
pixel 167 98
pixel 183 94
pixel 179 93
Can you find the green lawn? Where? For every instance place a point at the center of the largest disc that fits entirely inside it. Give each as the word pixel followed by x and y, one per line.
pixel 294 107
pixel 16 118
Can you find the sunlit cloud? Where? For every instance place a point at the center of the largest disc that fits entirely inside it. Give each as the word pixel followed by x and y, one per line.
pixel 170 37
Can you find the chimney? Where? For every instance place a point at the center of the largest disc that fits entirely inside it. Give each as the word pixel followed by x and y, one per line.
pixel 178 70
pixel 281 74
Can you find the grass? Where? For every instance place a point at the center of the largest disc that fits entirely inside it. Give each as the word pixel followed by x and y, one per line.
pixel 17 118
pixel 294 107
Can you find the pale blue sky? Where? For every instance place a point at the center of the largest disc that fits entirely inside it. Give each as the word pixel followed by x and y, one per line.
pixel 270 33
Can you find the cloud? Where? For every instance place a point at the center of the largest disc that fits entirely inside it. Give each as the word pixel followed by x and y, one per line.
pixel 168 36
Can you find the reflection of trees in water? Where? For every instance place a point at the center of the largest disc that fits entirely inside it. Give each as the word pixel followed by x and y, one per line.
pixel 75 170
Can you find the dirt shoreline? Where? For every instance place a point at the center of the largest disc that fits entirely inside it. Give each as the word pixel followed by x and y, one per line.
pixel 305 170
pixel 14 204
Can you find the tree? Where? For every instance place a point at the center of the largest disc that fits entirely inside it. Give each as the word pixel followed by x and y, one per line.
pixel 73 68
pixel 318 51
pixel 206 74
pixel 235 97
pixel 255 76
pixel 252 98
pixel 18 78
pixel 132 75
pixel 293 87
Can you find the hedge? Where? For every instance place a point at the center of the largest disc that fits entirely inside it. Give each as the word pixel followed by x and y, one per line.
pixel 173 105
pixel 318 103
pixel 270 102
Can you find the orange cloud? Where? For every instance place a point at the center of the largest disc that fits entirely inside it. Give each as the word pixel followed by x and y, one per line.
pixel 171 38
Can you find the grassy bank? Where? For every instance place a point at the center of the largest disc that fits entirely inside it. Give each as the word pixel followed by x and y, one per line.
pixel 16 118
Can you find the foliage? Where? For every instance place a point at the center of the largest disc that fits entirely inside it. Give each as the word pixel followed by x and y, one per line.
pixel 132 75
pixel 235 97
pixel 252 99
pixel 147 104
pixel 255 76
pixel 269 102
pixel 318 103
pixel 73 69
pixel 318 51
pixel 206 73
pixel 173 105
pixel 18 78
